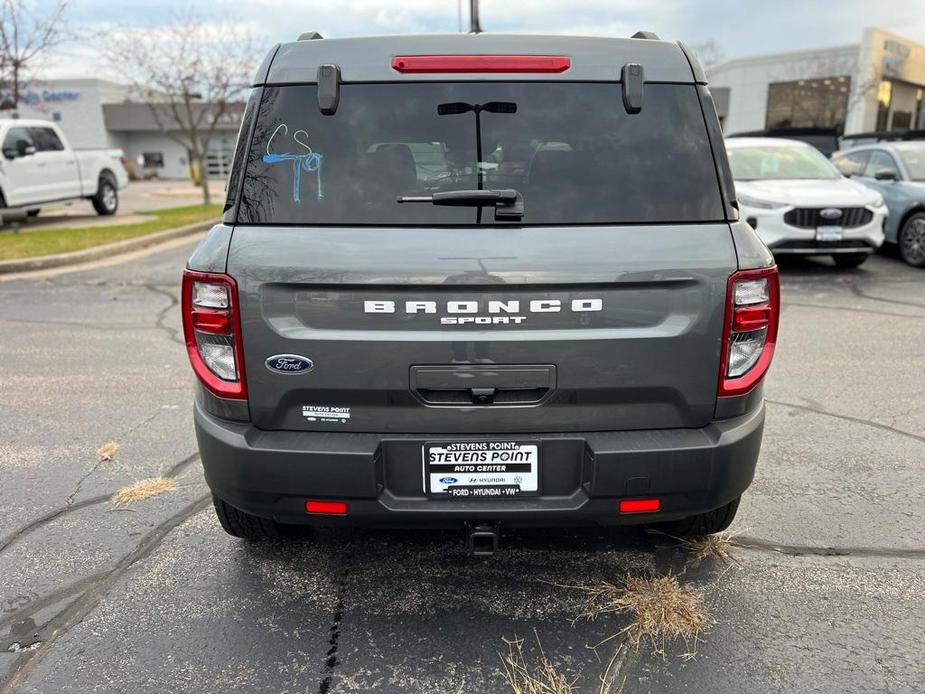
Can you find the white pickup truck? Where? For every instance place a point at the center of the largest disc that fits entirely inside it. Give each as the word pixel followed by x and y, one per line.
pixel 38 167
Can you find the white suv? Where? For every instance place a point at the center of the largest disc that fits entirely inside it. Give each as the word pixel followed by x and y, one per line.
pixel 799 203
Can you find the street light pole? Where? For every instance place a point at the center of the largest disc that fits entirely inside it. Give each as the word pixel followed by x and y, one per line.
pixel 474 26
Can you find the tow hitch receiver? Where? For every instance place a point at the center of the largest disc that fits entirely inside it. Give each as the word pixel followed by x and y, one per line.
pixel 482 539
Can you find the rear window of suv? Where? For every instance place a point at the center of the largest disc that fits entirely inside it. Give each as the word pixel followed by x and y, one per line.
pixel 570 148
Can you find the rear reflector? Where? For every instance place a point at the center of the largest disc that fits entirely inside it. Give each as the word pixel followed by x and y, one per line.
pixel 480 63
pixel 214 322
pixel 639 505
pixel 329 508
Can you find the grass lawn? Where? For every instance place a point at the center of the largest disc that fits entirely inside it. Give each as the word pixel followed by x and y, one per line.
pixel 28 244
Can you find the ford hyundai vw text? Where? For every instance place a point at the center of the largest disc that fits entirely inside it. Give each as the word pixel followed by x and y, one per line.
pixel 477 281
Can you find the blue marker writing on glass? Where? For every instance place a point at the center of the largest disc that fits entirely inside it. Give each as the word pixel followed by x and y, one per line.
pixel 308 162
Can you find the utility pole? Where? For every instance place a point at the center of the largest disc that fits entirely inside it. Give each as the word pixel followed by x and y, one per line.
pixel 474 26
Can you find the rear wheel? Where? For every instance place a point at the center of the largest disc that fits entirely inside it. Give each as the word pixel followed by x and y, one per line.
pixel 240 524
pixel 106 200
pixel 912 240
pixel 849 259
pixel 707 523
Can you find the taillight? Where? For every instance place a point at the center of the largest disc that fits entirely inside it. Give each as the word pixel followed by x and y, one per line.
pixel 749 330
pixel 480 63
pixel 212 328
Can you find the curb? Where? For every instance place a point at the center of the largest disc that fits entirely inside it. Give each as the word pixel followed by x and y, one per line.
pixel 45 262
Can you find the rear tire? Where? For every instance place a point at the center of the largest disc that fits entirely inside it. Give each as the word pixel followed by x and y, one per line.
pixel 106 200
pixel 707 523
pixel 237 523
pixel 849 259
pixel 912 240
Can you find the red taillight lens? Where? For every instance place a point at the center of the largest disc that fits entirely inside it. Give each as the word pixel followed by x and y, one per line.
pixel 639 505
pixel 480 63
pixel 328 508
pixel 212 328
pixel 749 330
pixel 211 321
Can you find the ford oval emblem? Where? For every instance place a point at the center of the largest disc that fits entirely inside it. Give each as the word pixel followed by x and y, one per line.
pixel 830 213
pixel 448 480
pixel 289 364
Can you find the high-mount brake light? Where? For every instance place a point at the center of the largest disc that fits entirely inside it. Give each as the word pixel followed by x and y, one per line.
pixel 749 329
pixel 480 63
pixel 212 328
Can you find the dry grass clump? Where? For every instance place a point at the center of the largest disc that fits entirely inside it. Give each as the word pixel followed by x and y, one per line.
pixel 143 489
pixel 108 452
pixel 711 547
pixel 661 608
pixel 540 680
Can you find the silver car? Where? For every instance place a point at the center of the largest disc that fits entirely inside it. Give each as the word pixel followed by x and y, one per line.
pixel 897 171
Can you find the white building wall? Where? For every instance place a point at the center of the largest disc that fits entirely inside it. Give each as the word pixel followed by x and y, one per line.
pixel 76 105
pixel 176 160
pixel 748 80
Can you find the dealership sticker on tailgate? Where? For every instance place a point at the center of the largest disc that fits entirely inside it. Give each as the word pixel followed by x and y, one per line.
pixel 474 469
pixel 326 413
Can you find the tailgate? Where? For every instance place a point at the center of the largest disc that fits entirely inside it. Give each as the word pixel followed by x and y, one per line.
pixel 469 330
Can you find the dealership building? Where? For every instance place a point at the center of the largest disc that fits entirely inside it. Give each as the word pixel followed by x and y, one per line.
pixel 877 84
pixel 99 114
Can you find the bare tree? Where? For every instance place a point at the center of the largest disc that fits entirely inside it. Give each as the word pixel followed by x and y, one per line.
pixel 708 53
pixel 190 73
pixel 25 35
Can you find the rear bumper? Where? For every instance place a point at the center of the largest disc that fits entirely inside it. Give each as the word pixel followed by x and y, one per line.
pixel 272 473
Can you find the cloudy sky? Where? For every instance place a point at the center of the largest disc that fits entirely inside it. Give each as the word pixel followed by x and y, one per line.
pixel 739 27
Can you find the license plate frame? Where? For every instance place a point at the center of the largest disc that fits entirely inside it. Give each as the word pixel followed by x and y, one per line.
pixel 830 234
pixel 511 454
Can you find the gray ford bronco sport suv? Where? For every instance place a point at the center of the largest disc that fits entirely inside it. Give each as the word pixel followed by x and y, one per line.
pixel 480 280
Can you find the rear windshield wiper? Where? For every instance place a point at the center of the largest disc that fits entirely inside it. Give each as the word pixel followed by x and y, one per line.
pixel 508 203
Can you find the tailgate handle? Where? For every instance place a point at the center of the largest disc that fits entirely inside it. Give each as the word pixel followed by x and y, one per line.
pixel 464 384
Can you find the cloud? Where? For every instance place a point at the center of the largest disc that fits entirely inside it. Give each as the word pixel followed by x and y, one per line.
pixel 740 27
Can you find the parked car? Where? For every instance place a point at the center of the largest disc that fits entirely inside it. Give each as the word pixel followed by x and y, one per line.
pixel 896 170
pixel 799 203
pixel 577 332
pixel 857 139
pixel 823 139
pixel 39 167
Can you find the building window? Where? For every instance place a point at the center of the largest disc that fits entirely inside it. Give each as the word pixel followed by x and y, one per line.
pixel 810 103
pixel 153 160
pixel 884 97
pixel 899 106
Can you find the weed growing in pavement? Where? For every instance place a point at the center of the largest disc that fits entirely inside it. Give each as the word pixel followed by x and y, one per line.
pixel 661 609
pixel 544 679
pixel 711 547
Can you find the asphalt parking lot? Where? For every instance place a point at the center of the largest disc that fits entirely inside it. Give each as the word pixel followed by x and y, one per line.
pixel 826 592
